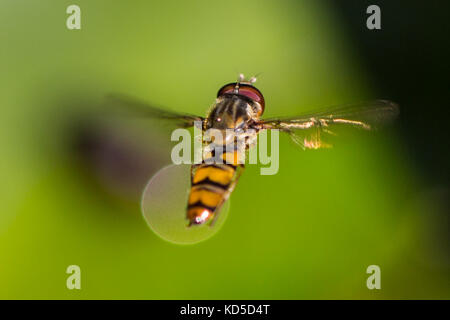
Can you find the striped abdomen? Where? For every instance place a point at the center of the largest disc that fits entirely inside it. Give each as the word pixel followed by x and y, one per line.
pixel 210 188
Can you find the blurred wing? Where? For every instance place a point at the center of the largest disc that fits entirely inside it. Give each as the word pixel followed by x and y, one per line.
pixel 138 108
pixel 308 130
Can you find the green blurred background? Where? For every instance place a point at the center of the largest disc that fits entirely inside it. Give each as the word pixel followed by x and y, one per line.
pixel 71 182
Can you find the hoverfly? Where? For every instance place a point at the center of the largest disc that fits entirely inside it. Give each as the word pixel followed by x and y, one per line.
pixel 239 107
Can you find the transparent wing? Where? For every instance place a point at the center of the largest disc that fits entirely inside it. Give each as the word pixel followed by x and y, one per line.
pixel 139 108
pixel 309 130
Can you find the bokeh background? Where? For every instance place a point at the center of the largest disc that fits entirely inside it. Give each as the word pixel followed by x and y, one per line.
pixel 71 181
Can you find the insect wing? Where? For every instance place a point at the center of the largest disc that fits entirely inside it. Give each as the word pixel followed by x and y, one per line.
pixel 310 130
pixel 134 107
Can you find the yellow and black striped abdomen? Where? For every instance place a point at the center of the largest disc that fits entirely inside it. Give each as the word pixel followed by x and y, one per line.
pixel 214 179
pixel 209 189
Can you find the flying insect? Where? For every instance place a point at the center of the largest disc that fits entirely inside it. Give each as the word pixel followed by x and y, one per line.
pixel 237 110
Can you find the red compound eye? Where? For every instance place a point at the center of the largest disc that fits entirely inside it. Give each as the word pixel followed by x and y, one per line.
pixel 244 90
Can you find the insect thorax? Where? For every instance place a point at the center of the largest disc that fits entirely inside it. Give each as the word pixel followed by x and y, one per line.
pixel 228 125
